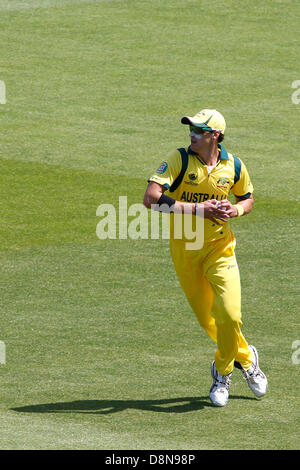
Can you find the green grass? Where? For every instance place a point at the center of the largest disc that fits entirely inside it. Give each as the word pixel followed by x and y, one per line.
pixel 103 351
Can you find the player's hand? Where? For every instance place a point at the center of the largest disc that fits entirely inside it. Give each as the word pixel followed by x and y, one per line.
pixel 230 209
pixel 213 211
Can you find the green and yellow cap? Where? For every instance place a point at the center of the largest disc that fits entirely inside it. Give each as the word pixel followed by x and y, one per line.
pixel 208 119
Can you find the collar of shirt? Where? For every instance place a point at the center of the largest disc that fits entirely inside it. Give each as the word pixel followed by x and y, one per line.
pixel 223 152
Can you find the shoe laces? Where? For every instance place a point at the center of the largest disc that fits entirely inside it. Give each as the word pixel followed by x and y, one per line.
pixel 223 380
pixel 254 373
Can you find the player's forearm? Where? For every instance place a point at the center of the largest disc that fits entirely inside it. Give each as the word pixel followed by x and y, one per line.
pixel 184 207
pixel 246 206
pixel 207 209
pixel 155 199
pixel 168 204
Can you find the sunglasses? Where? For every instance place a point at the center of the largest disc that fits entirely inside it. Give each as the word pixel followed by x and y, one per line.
pixel 198 130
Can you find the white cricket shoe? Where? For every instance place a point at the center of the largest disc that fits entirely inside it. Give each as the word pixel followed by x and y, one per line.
pixel 219 391
pixel 255 377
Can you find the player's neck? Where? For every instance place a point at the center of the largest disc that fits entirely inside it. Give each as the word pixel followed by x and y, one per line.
pixel 210 155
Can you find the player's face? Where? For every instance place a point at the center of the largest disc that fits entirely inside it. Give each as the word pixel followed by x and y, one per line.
pixel 200 138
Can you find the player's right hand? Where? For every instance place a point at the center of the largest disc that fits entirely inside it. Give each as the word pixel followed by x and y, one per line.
pixel 213 212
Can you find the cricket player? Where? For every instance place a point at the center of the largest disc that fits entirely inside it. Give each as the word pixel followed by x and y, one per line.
pixel 197 180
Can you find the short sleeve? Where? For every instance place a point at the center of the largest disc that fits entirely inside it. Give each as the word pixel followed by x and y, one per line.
pixel 243 187
pixel 168 170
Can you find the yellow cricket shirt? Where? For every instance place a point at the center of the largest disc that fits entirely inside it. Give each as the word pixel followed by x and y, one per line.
pixel 196 184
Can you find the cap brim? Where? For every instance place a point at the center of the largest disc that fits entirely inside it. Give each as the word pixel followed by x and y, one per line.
pixel 186 120
pixel 192 122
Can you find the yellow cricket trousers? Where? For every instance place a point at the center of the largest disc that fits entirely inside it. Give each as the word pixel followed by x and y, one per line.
pixel 211 281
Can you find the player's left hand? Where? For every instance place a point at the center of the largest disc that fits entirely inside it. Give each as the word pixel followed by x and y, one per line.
pixel 228 207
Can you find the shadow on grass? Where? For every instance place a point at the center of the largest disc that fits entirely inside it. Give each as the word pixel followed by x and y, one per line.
pixel 168 405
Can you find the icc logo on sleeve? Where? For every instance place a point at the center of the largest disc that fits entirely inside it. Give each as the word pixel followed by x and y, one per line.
pixel 163 167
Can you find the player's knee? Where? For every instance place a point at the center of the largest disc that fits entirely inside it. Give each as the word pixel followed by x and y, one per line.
pixel 228 312
pixel 229 317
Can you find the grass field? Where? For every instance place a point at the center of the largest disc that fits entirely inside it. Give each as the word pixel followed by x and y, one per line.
pixel 102 349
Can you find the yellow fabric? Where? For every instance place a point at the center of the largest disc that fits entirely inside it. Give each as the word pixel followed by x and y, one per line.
pixel 240 209
pixel 198 185
pixel 209 276
pixel 210 279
